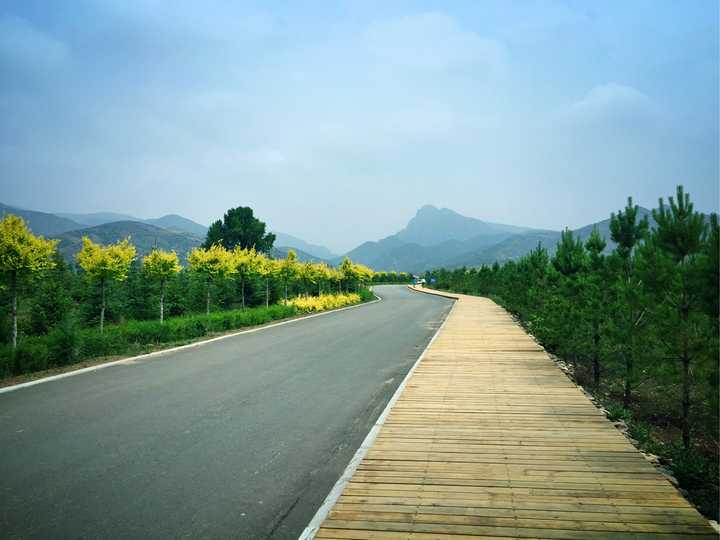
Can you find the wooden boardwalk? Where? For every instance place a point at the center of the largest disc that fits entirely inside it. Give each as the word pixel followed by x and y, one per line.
pixel 489 440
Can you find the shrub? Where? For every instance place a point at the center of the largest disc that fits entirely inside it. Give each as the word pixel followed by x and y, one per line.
pixel 311 304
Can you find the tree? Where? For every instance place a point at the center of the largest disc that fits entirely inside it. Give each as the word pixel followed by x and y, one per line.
pixel 240 228
pixel 627 231
pixel 22 254
pixel 267 269
pixel 245 263
pixel 104 264
pixel 595 292
pixel 211 263
pixel 162 266
pixel 681 234
pixel 348 273
pixel 288 270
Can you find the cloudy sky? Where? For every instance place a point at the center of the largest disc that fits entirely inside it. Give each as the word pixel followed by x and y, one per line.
pixel 337 121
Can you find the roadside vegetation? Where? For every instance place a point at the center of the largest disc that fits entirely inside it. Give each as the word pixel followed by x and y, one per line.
pixel 637 327
pixel 109 302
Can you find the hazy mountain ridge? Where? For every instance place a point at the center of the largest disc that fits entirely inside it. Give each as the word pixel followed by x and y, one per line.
pixel 143 235
pixel 492 242
pixel 42 223
pixel 314 250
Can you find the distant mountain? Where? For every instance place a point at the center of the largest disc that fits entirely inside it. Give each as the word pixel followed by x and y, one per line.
pixel 42 223
pixel 433 237
pixel 280 252
pixel 97 218
pixel 432 225
pixel 321 252
pixel 172 222
pixel 142 235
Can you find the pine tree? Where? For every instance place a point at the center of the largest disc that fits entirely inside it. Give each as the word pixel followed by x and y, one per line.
pixel 627 232
pixel 681 233
pixel 595 293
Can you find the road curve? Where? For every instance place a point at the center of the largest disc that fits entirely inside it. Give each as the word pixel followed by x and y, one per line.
pixel 239 438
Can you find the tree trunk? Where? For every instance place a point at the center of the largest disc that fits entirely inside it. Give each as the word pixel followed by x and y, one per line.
pixel 14 294
pixel 286 291
pixel 267 292
pixel 627 395
pixel 685 314
pixel 207 298
pixel 242 291
pixel 596 358
pixel 102 305
pixel 686 403
pixel 162 302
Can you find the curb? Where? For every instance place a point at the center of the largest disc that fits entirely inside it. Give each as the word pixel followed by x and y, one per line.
pixel 132 359
pixel 332 497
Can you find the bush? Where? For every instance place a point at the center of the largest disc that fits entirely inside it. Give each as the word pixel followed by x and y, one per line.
pixel 324 302
pixel 66 344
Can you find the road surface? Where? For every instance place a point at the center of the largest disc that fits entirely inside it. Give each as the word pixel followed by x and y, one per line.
pixel 240 438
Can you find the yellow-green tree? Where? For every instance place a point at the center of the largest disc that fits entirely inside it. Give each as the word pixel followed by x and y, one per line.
pixel 245 263
pixel 161 266
pixel 104 264
pixel 347 271
pixel 267 269
pixel 364 273
pixel 288 270
pixel 22 254
pixel 321 273
pixel 212 263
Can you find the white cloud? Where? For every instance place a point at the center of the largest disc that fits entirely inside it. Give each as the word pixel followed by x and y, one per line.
pixel 432 41
pixel 612 103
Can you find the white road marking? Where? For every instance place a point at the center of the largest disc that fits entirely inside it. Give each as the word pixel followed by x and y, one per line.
pixel 174 349
pixel 336 491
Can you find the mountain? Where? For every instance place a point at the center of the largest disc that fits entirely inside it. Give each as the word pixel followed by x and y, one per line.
pixel 42 223
pixel 280 252
pixel 97 218
pixel 172 222
pixel 143 235
pixel 287 240
pixel 433 237
pixel 432 225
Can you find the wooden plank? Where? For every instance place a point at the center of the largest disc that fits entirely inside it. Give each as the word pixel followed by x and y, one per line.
pixel 490 440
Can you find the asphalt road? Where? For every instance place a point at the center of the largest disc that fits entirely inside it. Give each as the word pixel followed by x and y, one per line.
pixel 240 438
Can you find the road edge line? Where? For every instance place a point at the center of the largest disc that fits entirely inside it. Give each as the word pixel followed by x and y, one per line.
pixel 145 356
pixel 332 497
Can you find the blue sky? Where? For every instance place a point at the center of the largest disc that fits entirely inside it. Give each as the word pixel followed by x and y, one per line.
pixel 336 123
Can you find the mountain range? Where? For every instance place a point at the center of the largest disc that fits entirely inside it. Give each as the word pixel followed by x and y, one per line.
pixel 170 232
pixel 439 237
pixel 433 238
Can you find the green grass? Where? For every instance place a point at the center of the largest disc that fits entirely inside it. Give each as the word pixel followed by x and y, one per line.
pixel 68 344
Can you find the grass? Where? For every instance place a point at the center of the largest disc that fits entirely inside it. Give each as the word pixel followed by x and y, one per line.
pixel 69 347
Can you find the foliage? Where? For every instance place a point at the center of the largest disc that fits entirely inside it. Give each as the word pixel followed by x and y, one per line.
pixel 161 265
pixel 21 252
pixel 110 262
pixel 240 228
pixel 310 304
pixel 639 326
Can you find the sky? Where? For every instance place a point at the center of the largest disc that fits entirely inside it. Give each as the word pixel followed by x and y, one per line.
pixel 336 121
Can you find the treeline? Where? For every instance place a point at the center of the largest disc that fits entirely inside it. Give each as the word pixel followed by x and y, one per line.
pixel 392 277
pixel 638 326
pixel 59 311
